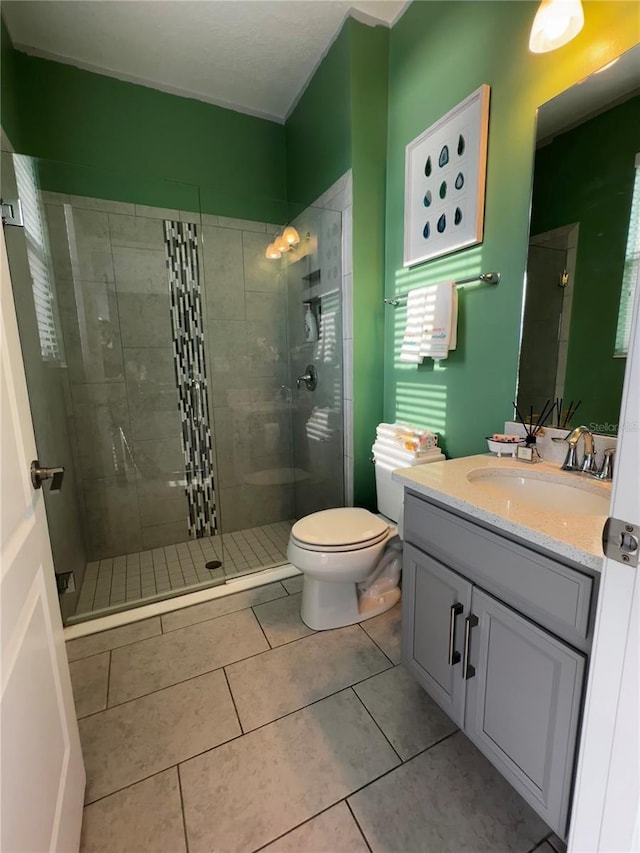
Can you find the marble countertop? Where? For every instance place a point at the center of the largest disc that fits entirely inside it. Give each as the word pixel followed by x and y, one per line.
pixel 575 537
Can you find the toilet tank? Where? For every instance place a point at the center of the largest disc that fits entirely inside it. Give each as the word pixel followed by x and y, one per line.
pixel 390 493
pixel 388 458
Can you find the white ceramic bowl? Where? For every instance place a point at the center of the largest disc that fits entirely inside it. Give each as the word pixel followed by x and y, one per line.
pixel 504 448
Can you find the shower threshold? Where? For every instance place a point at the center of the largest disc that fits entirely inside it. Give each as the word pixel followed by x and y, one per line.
pixel 132 580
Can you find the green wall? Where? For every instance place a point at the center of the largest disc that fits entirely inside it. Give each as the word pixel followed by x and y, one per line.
pixel 369 105
pixel 340 123
pixel 440 52
pixel 130 136
pixel 587 176
pixel 318 131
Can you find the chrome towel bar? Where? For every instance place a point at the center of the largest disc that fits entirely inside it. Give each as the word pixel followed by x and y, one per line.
pixel 486 277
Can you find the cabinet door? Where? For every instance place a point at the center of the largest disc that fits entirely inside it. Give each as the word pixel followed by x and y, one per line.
pixel 523 705
pixel 435 603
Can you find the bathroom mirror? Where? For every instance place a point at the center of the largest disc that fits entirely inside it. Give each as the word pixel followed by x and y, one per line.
pixel 586 167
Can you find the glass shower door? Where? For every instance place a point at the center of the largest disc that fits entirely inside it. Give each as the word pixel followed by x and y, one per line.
pixel 108 295
pixel 247 346
pixel 316 340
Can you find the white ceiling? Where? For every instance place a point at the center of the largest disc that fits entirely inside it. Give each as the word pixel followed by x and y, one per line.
pixel 255 56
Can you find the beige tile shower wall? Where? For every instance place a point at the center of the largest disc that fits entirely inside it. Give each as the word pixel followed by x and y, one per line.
pixel 248 356
pixel 113 292
pixel 114 296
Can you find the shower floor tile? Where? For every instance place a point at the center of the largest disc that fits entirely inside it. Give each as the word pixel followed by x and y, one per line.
pixel 131 579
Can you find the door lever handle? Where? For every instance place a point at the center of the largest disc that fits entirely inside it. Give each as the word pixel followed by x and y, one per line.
pixel 40 474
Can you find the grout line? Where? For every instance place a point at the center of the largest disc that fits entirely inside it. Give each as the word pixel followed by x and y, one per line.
pixel 231 663
pixel 255 616
pixel 399 766
pixel 246 734
pixel 297 826
pixel 549 839
pixel 182 680
pixel 108 679
pixel 377 645
pixel 539 844
pixel 219 615
pixel 113 648
pixel 184 817
pixel 233 699
pixel 378 726
pixel 241 660
pixel 357 823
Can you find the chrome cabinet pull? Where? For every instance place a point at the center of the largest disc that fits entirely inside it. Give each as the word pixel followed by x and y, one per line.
pixel 454 656
pixel 468 671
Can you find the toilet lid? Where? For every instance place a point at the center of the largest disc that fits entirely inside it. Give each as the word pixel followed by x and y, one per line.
pixel 340 528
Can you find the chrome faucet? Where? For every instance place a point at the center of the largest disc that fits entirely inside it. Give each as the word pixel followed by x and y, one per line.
pixel 588 463
pixel 606 470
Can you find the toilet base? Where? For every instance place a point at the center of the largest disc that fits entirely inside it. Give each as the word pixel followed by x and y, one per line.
pixel 327 605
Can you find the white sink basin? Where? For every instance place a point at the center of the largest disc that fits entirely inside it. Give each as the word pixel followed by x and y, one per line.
pixel 566 493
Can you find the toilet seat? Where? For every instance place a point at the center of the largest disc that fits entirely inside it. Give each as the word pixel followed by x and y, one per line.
pixel 337 530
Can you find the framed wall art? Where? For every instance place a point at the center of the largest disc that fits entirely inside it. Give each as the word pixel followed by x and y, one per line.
pixel 445 170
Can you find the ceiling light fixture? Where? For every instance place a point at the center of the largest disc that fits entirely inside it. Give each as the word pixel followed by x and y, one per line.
pixel 555 24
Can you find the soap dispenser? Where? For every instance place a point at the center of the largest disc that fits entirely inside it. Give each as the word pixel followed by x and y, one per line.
pixel 310 325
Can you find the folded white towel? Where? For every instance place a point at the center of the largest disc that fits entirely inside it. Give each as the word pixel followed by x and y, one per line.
pixel 432 323
pixel 439 333
pixel 412 340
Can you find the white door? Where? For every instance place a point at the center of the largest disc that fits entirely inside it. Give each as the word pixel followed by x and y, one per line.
pixel 42 773
pixel 606 807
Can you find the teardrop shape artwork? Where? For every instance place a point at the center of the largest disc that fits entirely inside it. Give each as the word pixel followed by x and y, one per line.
pixel 444 181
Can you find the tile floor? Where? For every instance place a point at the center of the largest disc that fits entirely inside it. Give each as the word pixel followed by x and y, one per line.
pixel 230 726
pixel 121 581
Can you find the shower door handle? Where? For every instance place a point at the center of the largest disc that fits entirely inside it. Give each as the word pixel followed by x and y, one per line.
pixel 40 474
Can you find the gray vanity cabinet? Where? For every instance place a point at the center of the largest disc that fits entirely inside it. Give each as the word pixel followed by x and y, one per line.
pixel 523 704
pixel 512 686
pixel 434 601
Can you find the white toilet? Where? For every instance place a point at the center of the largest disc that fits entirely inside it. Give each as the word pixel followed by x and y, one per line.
pixel 348 577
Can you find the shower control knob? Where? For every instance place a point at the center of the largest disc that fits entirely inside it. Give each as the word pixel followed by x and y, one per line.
pixel 39 474
pixel 310 378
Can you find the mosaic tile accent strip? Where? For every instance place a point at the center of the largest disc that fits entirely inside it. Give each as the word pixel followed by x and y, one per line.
pixel 181 247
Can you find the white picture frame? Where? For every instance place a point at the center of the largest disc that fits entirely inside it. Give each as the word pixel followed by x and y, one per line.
pixel 449 157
